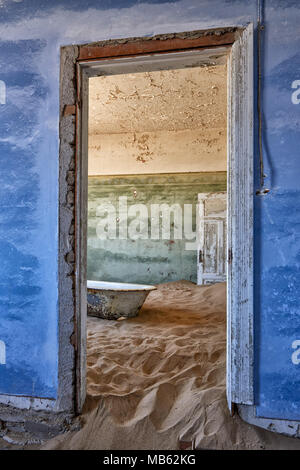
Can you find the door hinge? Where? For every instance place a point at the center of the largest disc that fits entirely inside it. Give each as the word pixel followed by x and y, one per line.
pixel 229 255
pixel 200 256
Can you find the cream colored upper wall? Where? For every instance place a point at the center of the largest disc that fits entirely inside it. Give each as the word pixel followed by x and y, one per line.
pixel 158 122
pixel 189 150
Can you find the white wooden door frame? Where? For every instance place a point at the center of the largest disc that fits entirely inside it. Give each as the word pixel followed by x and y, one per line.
pixel 239 204
pixel 240 347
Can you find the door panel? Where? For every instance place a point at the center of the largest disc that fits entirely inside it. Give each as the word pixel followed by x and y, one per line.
pixel 211 238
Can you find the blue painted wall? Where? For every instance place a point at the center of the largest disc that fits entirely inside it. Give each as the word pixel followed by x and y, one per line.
pixel 31 32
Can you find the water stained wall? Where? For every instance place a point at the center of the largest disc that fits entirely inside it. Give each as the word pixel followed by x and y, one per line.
pixel 158 122
pixel 147 260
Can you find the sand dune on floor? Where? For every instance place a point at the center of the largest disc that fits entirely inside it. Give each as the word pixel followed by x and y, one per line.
pixel 159 379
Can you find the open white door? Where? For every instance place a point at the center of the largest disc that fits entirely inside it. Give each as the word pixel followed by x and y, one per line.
pixel 211 251
pixel 240 347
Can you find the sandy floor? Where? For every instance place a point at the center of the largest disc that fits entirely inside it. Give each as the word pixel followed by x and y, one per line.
pixel 159 379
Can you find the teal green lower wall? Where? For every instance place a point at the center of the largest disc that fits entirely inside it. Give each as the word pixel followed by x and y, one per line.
pixel 145 261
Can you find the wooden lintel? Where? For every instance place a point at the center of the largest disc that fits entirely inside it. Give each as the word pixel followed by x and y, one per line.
pixel 155 45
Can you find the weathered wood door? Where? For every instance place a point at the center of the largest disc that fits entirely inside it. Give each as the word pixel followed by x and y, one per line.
pixel 211 231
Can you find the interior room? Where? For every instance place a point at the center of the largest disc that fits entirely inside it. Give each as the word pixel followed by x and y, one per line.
pixel 155 138
pixel 159 312
pixel 157 147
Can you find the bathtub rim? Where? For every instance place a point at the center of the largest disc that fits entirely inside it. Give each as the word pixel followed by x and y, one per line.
pixel 108 284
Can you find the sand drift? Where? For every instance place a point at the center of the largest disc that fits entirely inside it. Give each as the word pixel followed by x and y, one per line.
pixel 159 379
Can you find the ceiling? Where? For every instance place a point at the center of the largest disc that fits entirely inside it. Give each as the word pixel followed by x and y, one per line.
pixel 167 100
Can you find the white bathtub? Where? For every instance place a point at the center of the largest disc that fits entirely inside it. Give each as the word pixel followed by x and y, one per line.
pixel 112 300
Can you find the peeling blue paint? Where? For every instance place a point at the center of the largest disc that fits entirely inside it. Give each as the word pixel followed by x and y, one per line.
pixel 29 369
pixel 31 32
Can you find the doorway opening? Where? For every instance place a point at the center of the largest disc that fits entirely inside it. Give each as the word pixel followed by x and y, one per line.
pixel 155 204
pixel 157 217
